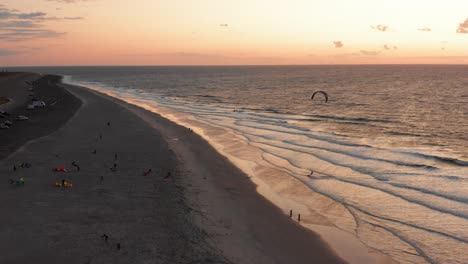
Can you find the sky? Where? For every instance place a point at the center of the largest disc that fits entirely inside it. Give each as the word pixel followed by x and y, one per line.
pixel 237 32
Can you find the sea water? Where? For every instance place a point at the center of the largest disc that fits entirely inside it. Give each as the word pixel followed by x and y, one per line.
pixel 385 159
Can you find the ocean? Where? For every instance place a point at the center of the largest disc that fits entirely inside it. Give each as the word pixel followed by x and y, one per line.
pixel 385 159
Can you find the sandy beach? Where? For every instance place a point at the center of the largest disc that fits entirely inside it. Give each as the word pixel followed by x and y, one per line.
pixel 156 190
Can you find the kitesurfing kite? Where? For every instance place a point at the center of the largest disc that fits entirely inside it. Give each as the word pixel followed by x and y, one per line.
pixel 321 92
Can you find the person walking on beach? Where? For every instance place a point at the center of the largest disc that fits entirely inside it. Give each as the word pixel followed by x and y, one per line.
pixel 76 165
pixel 146 173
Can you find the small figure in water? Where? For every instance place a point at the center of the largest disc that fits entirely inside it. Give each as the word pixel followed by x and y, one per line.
pixel 108 123
pixel 168 175
pixel 118 246
pixel 115 156
pixel 105 237
pixel 94 151
pixel 14 167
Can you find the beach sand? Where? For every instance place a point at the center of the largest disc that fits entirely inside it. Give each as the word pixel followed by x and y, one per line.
pixel 206 211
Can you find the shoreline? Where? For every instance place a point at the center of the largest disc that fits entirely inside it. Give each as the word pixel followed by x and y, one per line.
pixel 58 226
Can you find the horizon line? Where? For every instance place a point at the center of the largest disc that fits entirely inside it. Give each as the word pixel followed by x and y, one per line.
pixel 242 65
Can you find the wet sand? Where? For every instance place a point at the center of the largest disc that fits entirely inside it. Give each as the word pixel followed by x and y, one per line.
pixel 206 211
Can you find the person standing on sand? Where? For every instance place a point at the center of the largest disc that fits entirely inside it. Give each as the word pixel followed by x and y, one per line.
pixel 76 165
pixel 146 173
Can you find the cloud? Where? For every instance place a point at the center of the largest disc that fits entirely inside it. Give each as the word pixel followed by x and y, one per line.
pixel 388 47
pixel 10 14
pixel 73 18
pixel 424 29
pixel 463 27
pixel 380 27
pixel 8 52
pixel 338 44
pixel 20 26
pixel 37 16
pixel 369 53
pixel 28 34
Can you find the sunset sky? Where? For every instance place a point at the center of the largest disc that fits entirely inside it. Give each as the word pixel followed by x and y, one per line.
pixel 218 32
